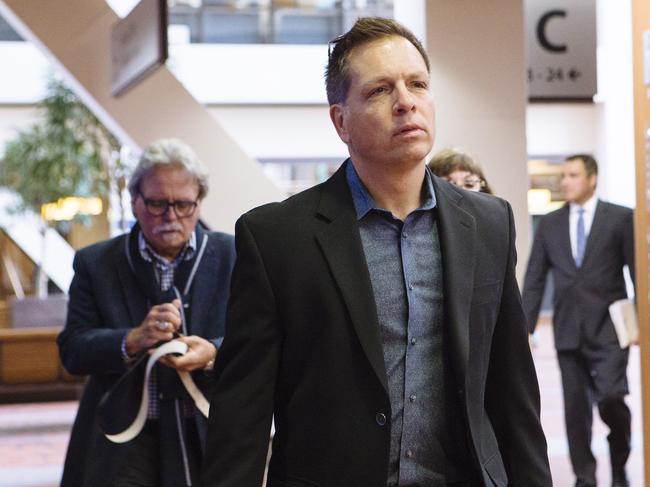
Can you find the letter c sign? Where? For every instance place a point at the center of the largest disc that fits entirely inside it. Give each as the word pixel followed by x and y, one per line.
pixel 541 31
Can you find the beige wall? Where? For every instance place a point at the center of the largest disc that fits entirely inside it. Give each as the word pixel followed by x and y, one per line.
pixel 477 60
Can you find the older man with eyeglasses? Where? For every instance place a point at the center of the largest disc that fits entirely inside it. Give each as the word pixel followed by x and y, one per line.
pixel 167 278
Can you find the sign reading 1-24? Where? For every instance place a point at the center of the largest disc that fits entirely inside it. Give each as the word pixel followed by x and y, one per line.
pixel 552 74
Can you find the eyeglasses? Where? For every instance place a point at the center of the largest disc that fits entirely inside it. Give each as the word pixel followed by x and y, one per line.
pixel 182 208
pixel 468 183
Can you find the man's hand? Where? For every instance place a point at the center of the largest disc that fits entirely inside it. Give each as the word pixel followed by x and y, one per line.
pixel 200 353
pixel 159 325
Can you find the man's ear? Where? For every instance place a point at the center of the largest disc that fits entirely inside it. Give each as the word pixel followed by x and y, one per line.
pixel 337 115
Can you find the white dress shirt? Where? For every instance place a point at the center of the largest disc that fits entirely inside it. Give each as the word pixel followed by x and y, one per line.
pixel 587 216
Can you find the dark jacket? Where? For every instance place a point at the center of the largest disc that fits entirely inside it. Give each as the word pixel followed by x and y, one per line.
pixel 106 300
pixel 582 295
pixel 303 344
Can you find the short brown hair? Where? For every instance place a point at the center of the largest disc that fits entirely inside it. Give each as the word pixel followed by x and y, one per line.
pixel 591 166
pixel 364 30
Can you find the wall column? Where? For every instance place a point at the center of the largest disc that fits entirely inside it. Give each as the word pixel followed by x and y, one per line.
pixel 478 79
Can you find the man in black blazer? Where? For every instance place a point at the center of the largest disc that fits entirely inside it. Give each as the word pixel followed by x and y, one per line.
pixel 585 245
pixel 376 316
pixel 167 275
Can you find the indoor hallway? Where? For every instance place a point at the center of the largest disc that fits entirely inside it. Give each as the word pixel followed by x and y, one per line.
pixel 33 437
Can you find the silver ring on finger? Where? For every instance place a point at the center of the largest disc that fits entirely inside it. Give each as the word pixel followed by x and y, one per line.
pixel 162 325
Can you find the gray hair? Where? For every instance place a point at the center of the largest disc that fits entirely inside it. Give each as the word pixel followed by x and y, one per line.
pixel 166 153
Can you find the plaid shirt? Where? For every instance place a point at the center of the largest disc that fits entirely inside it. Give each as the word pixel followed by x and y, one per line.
pixel 165 268
pixel 165 273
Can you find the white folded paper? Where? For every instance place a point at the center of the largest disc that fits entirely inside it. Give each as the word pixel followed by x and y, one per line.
pixel 171 347
pixel 623 315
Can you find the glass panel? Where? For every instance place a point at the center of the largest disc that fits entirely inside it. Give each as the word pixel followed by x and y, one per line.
pixel 7 33
pixel 271 21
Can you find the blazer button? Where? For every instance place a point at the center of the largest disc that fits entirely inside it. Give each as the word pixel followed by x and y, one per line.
pixel 380 418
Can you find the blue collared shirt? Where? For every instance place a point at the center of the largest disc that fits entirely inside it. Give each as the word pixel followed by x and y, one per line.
pixel 405 266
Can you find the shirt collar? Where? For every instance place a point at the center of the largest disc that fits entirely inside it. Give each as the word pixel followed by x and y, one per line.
pixel 589 205
pixel 149 254
pixel 364 202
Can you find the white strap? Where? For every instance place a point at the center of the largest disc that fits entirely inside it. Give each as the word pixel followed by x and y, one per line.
pixel 195 393
pixel 173 346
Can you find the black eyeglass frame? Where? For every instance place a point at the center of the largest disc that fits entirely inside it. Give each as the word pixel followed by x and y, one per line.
pixel 155 207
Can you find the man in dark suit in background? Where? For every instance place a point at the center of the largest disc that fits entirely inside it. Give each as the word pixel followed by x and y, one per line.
pixel 586 244
pixel 376 316
pixel 169 274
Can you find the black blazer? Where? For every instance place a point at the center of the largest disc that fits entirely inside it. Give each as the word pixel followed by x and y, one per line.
pixel 105 300
pixel 303 345
pixel 582 296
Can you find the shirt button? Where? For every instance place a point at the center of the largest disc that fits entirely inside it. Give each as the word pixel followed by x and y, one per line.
pixel 409 453
pixel 413 341
pixel 412 397
pixel 410 286
pixel 380 418
pixel 405 235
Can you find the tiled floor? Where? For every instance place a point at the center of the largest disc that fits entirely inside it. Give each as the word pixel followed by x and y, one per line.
pixel 33 437
pixel 553 417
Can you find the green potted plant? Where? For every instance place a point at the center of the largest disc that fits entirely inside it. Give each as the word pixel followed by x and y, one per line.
pixel 68 153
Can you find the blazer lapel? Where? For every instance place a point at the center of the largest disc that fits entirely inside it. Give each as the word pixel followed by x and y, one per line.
pixel 202 289
pixel 457 231
pixel 136 301
pixel 600 217
pixel 341 245
pixel 565 235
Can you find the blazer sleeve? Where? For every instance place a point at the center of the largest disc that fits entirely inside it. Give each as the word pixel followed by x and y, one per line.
pixel 535 279
pixel 241 405
pixel 86 344
pixel 512 391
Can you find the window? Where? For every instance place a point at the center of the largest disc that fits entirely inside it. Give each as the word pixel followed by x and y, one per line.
pixel 271 21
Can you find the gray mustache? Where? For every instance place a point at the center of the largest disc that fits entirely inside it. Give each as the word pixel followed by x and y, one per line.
pixel 167 227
